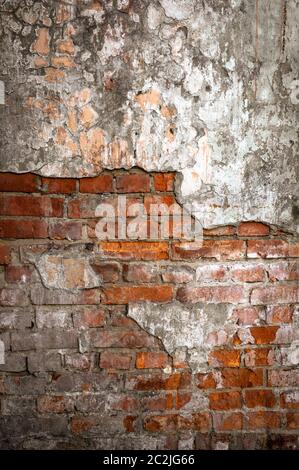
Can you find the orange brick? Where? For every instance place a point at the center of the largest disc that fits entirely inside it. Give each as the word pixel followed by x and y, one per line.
pixel 225 400
pixel 126 294
pixel 151 360
pixel 256 398
pixel 223 357
pixel 252 229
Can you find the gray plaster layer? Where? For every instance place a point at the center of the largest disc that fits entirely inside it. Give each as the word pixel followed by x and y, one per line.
pixel 205 88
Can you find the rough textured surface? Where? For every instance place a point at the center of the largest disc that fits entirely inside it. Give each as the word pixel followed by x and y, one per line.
pixel 206 88
pixel 170 343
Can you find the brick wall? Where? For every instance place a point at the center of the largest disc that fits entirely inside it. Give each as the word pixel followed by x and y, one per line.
pixel 79 373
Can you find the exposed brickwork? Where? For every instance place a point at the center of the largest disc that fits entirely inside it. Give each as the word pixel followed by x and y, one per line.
pixel 74 359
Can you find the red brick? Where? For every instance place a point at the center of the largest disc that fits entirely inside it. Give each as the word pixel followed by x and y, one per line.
pixel 225 231
pixel 151 360
pixel 126 294
pixel 178 275
pixel 253 229
pixel 164 181
pixel 23 228
pixel 228 421
pixel 125 403
pixel 225 400
pixel 120 338
pixel 206 381
pixel 59 185
pixel 158 403
pixel 182 398
pixel 224 358
pixel 213 294
pixel 65 230
pixel 25 183
pixel 110 360
pixel 212 272
pixel 196 422
pixel 257 357
pixel 5 254
pixel 218 249
pixel 283 378
pixel 281 294
pixel 271 249
pixel 134 250
pixel 251 273
pixel 141 273
pixel 129 423
pixel 293 420
pixel 53 404
pixel 89 317
pixel 176 381
pixel 161 423
pixel 247 315
pixel 256 398
pixel 264 334
pixel 290 399
pixel 166 200
pixel 31 205
pixel 108 272
pixel 134 183
pixel 279 314
pixel 99 184
pixel 284 271
pixel 241 378
pixel 80 425
pixel 263 420
pixel 18 273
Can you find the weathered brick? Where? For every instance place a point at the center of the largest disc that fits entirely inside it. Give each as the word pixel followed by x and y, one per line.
pixel 157 403
pixel 134 183
pixel 13 297
pixel 89 317
pixel 258 357
pixel 248 315
pixel 18 274
pixel 5 254
pixel 223 231
pixel 23 228
pixel 263 420
pixel 290 399
pixel 271 249
pixel 282 294
pixel 59 185
pixel 219 249
pixel 253 229
pixel 228 421
pixel 24 183
pixel 151 360
pixel 53 317
pixel 11 318
pixel 18 406
pixel 77 361
pixel 47 339
pixel 283 378
pixel 141 273
pixel 149 251
pixel 284 271
pixel 213 294
pixel 212 272
pixel 110 360
pixel 224 358
pixel 31 205
pixel 176 381
pixel 108 272
pixel 164 181
pixel 54 404
pixel 257 398
pixel 126 294
pixel 44 361
pixel 98 184
pixel 225 400
pixel 178 274
pixel 248 273
pixel 264 334
pixel 65 230
pixel 13 363
pixel 279 314
pixel 119 338
pixel 292 420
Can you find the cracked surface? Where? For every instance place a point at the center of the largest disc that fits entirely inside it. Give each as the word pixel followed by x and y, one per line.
pixel 205 88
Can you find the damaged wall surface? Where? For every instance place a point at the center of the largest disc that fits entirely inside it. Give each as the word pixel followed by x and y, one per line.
pixel 173 344
pixel 205 88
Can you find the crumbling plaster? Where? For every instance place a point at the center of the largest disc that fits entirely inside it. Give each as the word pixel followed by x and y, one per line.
pixel 206 88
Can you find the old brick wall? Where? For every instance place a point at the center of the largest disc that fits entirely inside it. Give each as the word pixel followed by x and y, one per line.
pixel 81 368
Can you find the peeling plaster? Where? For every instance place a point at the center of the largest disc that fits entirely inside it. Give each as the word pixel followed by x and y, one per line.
pixel 189 332
pixel 225 78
